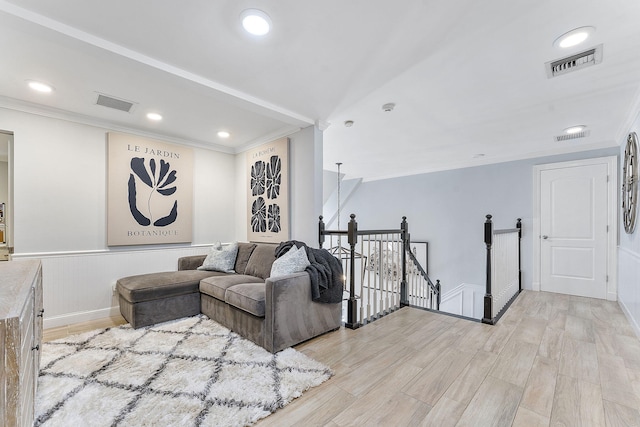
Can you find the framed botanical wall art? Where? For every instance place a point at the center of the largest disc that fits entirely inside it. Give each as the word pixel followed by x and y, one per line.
pixel 268 192
pixel 149 191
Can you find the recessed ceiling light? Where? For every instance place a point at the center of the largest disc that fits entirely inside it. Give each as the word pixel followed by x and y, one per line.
pixel 224 134
pixel 574 37
pixel 348 123
pixel 40 87
pixel 255 22
pixel 574 129
pixel 154 116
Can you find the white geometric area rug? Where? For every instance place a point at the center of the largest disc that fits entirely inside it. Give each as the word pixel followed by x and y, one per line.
pixel 188 372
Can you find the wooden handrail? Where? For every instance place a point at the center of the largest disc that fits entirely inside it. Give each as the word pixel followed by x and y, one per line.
pixel 352 234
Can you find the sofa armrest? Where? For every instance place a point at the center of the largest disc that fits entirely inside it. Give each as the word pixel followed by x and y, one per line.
pixel 190 262
pixel 291 317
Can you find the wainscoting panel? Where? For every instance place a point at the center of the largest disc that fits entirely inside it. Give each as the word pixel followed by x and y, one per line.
pixel 79 286
pixel 629 286
pixel 464 300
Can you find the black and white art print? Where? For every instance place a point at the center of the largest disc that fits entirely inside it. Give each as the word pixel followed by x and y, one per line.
pixel 150 191
pixel 268 192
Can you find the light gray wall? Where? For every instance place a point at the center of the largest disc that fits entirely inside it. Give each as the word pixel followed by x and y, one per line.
pixel 629 259
pixel 448 210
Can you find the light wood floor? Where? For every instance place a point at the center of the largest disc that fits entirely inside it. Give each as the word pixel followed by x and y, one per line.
pixel 64 331
pixel 551 360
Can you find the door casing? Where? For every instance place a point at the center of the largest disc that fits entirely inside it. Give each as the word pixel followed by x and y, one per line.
pixel 612 218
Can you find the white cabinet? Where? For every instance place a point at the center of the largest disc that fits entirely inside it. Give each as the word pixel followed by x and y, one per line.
pixel 21 336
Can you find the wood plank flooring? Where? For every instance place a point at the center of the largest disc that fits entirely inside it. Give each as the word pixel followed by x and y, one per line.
pixel 552 360
pixel 64 331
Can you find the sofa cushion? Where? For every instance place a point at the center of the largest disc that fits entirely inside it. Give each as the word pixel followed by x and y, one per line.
pixel 217 286
pixel 248 297
pixel 221 258
pixel 190 262
pixel 147 287
pixel 261 259
pixel 244 252
pixel 294 261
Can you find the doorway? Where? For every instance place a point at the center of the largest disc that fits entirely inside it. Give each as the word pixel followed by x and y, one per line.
pixel 6 208
pixel 575 217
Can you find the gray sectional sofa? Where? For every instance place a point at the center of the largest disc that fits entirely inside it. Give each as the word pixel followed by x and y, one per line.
pixel 274 313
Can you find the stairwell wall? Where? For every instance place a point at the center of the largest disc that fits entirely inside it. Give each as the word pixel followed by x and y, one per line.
pixel 448 210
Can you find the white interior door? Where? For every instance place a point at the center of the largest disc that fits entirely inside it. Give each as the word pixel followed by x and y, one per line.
pixel 573 230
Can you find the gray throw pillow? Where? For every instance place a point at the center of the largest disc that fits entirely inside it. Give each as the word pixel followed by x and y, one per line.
pixel 294 261
pixel 221 258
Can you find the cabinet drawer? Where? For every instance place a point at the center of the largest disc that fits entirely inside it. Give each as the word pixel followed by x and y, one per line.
pixel 19 282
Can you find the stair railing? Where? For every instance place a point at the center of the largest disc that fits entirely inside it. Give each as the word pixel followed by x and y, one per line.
pixel 503 274
pixel 422 292
pixel 381 273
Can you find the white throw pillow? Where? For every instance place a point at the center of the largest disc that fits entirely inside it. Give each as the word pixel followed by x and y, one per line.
pixel 294 261
pixel 221 258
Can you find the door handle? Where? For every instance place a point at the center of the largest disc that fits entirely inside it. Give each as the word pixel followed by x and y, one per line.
pixel 545 237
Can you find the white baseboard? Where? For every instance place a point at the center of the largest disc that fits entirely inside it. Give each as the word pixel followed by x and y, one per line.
pixel 535 286
pixel 632 321
pixel 79 317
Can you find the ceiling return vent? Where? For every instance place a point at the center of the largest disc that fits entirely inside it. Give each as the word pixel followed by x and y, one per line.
pixel 576 135
pixel 115 103
pixel 575 62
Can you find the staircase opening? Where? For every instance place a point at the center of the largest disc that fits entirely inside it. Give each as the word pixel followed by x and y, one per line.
pixel 382 272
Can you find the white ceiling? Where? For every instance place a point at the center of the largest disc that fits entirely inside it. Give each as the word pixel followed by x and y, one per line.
pixel 467 77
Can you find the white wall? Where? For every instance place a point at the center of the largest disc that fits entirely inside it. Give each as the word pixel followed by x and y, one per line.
pixel 60 187
pixel 60 214
pixel 306 184
pixel 464 300
pixel 629 259
pixel 448 210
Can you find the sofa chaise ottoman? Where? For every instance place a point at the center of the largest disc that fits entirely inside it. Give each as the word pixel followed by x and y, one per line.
pixel 274 313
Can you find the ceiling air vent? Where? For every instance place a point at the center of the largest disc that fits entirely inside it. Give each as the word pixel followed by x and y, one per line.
pixel 576 135
pixel 115 103
pixel 575 62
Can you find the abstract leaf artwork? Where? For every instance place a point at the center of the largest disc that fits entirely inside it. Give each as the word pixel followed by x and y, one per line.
pixel 156 183
pixel 274 177
pixel 259 215
pixel 150 191
pixel 270 182
pixel 257 178
pixel 268 197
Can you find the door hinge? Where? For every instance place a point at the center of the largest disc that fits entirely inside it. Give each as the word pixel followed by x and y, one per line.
pixel 606 278
pixel 607 178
